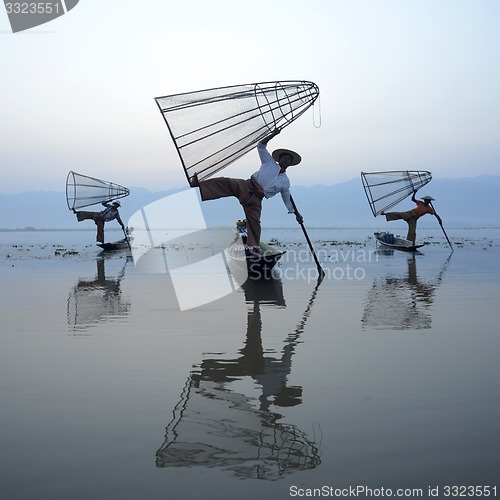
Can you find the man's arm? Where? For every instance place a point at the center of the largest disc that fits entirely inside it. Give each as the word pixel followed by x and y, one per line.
pixel 274 133
pixel 118 218
pixel 292 209
pixel 262 147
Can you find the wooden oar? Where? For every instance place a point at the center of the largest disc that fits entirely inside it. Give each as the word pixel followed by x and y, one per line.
pixel 321 273
pixel 441 224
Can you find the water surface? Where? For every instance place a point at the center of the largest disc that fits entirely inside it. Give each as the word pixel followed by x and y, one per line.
pixel 385 374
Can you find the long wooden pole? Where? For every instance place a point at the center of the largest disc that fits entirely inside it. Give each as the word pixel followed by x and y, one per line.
pixel 441 224
pixel 318 265
pixel 126 238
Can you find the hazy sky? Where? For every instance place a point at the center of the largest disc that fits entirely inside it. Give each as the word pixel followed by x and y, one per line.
pixel 404 84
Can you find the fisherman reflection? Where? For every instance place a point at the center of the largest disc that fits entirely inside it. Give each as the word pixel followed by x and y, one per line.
pixel 422 292
pixel 402 303
pixel 92 301
pixel 269 372
pixel 216 424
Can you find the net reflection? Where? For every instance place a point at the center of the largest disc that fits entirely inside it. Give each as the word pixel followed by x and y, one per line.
pixel 92 301
pixel 218 423
pixel 402 302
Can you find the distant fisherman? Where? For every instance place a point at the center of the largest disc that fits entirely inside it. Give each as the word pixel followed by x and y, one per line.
pixel 269 180
pixel 108 214
pixel 412 216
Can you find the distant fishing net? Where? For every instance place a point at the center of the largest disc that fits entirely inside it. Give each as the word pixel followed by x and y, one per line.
pixel 212 128
pixel 384 190
pixel 83 191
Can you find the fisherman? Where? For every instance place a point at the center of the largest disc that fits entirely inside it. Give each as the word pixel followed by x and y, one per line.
pixel 270 179
pixel 108 214
pixel 412 216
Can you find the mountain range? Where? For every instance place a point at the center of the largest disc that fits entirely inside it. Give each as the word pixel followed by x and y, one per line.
pixel 461 202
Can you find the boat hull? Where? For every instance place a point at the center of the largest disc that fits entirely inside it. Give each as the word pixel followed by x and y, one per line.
pixel 115 246
pixel 257 266
pixel 390 241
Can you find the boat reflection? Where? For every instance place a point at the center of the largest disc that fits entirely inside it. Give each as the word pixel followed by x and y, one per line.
pixel 227 416
pixel 92 301
pixel 402 302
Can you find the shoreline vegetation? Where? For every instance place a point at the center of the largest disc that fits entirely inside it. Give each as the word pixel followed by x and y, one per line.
pixel 277 228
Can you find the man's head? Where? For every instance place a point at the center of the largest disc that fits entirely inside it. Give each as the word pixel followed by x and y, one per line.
pixel 286 158
pixel 427 199
pixel 116 204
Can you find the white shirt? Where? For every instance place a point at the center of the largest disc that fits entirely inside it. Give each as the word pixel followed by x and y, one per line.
pixel 270 178
pixel 110 213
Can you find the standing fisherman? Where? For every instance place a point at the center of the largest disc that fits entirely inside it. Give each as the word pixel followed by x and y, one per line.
pixel 108 214
pixel 270 179
pixel 411 216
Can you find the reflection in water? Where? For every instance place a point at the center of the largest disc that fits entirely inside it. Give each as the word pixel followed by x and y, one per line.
pixel 402 303
pixel 95 300
pixel 218 423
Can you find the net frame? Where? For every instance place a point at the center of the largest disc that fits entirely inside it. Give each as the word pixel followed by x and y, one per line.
pixel 84 191
pixel 404 182
pixel 199 121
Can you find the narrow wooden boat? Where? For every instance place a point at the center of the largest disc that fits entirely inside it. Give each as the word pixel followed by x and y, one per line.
pixel 389 240
pixel 258 265
pixel 115 246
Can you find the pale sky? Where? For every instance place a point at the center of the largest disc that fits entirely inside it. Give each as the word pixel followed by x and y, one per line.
pixel 404 84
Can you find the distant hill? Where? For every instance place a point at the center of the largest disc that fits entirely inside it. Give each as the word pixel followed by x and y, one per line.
pixel 460 202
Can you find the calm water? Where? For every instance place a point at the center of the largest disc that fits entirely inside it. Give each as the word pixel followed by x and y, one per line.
pixel 385 375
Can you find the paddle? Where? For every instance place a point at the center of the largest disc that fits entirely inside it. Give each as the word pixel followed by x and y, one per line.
pixel 320 269
pixel 441 224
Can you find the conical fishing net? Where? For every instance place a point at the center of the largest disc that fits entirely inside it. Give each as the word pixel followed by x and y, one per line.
pixel 212 128
pixel 216 427
pixel 386 189
pixel 83 191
